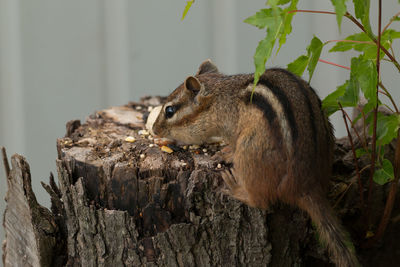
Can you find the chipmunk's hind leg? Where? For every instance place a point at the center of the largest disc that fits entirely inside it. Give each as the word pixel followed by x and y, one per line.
pixel 234 189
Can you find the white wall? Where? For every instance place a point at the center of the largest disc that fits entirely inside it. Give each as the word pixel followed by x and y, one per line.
pixel 61 60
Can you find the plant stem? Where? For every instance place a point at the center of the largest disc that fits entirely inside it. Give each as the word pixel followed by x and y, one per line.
pixel 373 148
pixel 333 64
pixel 311 11
pixel 390 199
pixel 389 96
pixel 365 145
pixel 355 21
pixel 390 21
pixel 350 41
pixel 393 188
pixel 377 42
pixel 360 186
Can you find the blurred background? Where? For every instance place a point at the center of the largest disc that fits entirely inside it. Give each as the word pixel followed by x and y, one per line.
pixel 62 60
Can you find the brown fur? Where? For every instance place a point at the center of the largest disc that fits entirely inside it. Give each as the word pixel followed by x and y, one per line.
pixel 270 162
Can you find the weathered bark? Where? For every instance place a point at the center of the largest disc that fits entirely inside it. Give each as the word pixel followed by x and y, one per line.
pixel 121 203
pixel 31 230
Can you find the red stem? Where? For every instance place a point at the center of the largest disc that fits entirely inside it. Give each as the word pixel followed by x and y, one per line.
pixel 334 64
pixel 355 21
pixel 311 11
pixel 350 41
pixel 373 149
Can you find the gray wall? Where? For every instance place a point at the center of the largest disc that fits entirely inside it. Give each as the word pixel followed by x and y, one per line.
pixel 61 60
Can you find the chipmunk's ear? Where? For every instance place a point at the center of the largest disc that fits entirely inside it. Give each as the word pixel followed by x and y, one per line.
pixel 207 67
pixel 193 85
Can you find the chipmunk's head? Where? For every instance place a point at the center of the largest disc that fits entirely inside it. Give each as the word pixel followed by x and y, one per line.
pixel 186 116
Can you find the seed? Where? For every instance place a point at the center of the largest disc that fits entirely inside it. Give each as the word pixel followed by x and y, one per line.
pixel 166 149
pixel 130 139
pixel 143 132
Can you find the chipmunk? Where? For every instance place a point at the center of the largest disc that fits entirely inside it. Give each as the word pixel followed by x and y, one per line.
pixel 281 141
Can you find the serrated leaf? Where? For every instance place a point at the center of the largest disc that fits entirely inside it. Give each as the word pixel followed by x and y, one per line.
pixel 388 36
pixel 387 128
pixel 265 18
pixel 262 54
pixel 351 94
pixel 314 51
pixel 287 23
pixel 187 7
pixel 299 65
pixel 330 102
pixel 367 46
pixel 361 8
pixel 345 46
pixel 340 9
pixel 265 46
pixel 363 72
pixel 347 94
pixel 384 174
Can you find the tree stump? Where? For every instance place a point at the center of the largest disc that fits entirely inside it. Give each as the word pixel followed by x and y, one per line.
pixel 122 201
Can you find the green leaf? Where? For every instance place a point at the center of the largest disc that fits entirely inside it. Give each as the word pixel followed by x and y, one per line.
pixel 340 9
pixel 299 65
pixel 361 8
pixel 387 128
pixel 273 3
pixel 272 20
pixel 265 18
pixel 262 54
pixel 347 94
pixel 345 46
pixel 361 152
pixel 187 7
pixel 388 36
pixel 283 2
pixel 287 23
pixel 314 51
pixel 385 174
pixel 330 102
pixel 351 94
pixel 367 108
pixel 363 72
pixel 368 47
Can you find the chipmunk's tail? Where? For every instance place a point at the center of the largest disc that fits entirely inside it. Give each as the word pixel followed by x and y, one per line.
pixel 330 231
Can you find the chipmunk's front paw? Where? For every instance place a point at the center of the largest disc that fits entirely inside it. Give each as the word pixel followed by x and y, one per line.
pixel 230 181
pixel 224 155
pixel 235 189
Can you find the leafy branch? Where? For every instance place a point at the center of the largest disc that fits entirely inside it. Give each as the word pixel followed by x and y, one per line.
pixel 364 80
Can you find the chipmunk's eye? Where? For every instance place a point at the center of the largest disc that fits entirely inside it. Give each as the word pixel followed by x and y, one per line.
pixel 169 111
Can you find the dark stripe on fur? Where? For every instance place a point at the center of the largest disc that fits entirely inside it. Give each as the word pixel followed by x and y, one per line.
pixel 306 96
pixel 284 101
pixel 262 104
